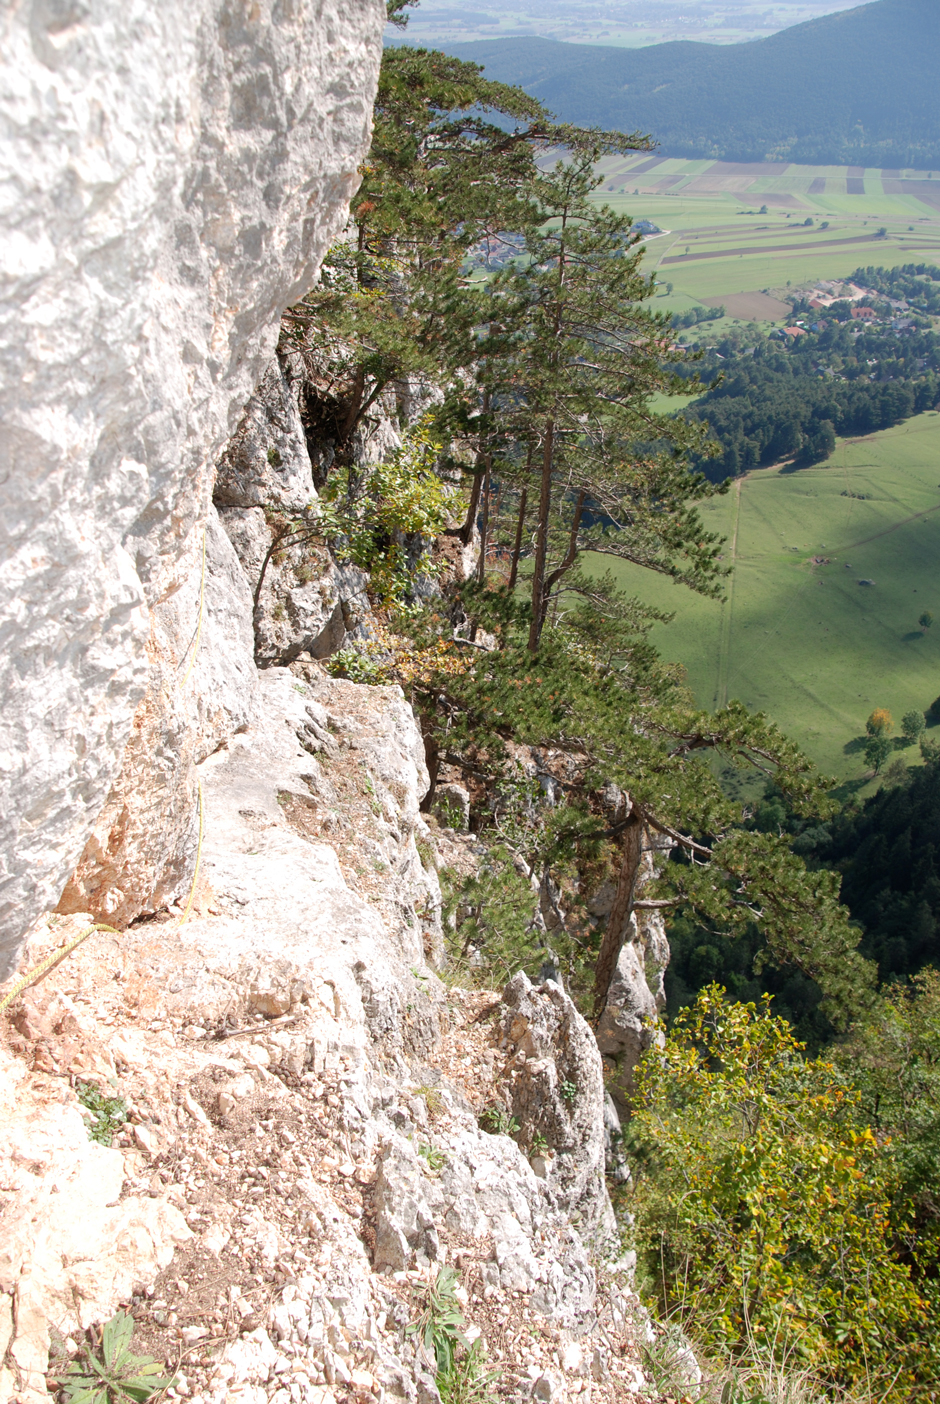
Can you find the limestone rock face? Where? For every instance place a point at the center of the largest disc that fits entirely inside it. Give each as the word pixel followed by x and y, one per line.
pixel 637 992
pixel 171 177
pixel 202 690
pixel 555 1091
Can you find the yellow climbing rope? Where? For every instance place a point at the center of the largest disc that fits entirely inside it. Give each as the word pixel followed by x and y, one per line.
pixel 46 965
pixel 49 962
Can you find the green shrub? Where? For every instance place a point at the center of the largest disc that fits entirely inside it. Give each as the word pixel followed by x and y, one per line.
pixel 498 1122
pixel 767 1209
pixel 368 517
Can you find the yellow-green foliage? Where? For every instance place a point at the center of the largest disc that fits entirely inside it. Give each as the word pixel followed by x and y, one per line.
pixel 376 512
pixel 768 1210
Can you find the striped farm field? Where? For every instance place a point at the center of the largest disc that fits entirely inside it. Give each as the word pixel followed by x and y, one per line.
pixel 737 230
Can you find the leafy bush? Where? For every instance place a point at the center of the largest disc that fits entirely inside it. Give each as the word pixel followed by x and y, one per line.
pixel 768 1205
pixel 880 723
pixel 877 751
pixel 358 666
pixel 912 727
pixel 385 519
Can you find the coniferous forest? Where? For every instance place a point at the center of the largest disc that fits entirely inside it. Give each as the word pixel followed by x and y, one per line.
pixel 783 1204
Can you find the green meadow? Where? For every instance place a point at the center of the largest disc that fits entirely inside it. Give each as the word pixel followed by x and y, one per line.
pixel 797 636
pixel 718 243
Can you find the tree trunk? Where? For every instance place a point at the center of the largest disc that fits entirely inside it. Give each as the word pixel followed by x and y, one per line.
pixel 567 563
pixel 520 525
pixel 466 531
pixel 541 545
pixel 485 524
pixel 432 759
pixel 618 923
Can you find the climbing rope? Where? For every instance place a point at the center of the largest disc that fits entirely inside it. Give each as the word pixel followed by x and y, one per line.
pixel 51 961
pixel 46 965
pixel 192 891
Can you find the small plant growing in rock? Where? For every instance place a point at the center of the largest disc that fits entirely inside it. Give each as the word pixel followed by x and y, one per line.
pixel 425 853
pixel 104 1115
pixel 110 1374
pixel 463 1378
pixel 441 1323
pixel 434 1158
pixel 468 1381
pixel 539 1144
pixel 432 1097
pixel 569 1091
pixel 449 812
pixel 498 1122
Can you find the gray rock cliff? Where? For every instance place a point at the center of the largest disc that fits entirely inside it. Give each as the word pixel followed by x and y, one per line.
pixel 171 177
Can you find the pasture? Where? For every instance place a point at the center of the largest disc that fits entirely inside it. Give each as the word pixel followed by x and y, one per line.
pixel 738 231
pixel 797 635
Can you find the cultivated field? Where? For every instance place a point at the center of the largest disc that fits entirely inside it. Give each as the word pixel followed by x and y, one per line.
pixel 797 636
pixel 720 248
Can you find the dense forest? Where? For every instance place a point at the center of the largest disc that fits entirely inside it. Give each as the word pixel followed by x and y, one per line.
pixel 889 855
pixel 853 88
pixel 780 1202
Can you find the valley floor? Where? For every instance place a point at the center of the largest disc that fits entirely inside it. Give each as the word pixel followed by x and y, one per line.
pixel 799 635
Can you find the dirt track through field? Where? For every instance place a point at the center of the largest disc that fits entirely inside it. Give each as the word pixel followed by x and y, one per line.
pixel 888 530
pixel 727 610
pixel 774 248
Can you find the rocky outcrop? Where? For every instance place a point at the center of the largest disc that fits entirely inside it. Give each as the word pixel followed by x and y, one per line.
pixel 305 603
pixel 637 995
pixel 555 1091
pixel 305 1101
pixel 173 177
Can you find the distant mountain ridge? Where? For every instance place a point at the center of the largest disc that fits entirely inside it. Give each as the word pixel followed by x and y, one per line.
pixel 855 88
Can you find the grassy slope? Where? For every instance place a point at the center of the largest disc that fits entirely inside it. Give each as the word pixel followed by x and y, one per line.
pixel 805 642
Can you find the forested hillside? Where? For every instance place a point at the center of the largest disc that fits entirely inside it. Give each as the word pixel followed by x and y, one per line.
pixel 854 88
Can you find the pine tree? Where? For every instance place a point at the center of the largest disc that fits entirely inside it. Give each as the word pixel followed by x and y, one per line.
pixel 583 359
pixel 629 752
pixel 452 162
